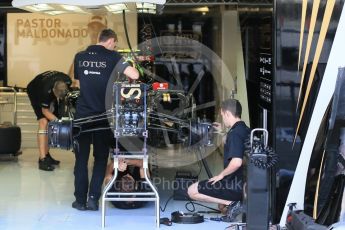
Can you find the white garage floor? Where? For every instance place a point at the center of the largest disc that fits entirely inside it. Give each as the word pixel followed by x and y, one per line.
pixel 35 199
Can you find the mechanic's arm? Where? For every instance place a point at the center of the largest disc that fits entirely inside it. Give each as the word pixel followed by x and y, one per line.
pixel 75 80
pixel 135 162
pixel 48 114
pixel 131 72
pixel 110 169
pixel 109 172
pixel 233 165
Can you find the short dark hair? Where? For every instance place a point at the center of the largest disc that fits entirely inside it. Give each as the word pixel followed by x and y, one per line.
pixel 107 34
pixel 233 106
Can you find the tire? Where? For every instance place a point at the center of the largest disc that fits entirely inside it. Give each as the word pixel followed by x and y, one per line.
pixel 11 139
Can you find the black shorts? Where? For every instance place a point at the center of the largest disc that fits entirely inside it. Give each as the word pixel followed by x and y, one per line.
pixel 38 111
pixel 224 189
pixel 38 108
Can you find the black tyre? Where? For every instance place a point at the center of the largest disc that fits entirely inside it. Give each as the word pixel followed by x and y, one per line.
pixel 10 139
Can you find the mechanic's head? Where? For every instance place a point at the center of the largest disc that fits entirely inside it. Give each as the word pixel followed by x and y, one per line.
pixel 127 184
pixel 60 89
pixel 108 39
pixel 231 111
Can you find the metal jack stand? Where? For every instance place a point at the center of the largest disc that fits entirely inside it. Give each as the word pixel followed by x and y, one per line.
pixel 145 196
pixel 130 121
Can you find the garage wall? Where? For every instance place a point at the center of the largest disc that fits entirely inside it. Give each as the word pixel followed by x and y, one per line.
pixel 233 74
pixel 37 42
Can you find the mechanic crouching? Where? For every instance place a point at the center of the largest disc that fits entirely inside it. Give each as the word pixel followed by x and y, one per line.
pixel 92 70
pixel 45 92
pixel 225 189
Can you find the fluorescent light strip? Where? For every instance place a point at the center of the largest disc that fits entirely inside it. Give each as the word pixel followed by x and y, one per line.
pixel 55 12
pixel 147 11
pixel 202 9
pixel 146 6
pixel 40 7
pixel 116 7
pixel 73 8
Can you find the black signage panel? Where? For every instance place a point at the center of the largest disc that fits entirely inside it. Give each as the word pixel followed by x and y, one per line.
pixel 265 80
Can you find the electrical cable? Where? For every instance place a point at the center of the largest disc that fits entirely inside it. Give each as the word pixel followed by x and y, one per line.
pixel 127 37
pixel 190 202
pixel 166 203
pixel 129 43
pixel 200 168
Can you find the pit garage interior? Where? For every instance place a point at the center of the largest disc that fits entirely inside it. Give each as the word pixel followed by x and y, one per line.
pixel 282 59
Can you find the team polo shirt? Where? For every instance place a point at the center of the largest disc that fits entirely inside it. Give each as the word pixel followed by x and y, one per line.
pixel 93 68
pixel 235 146
pixel 40 89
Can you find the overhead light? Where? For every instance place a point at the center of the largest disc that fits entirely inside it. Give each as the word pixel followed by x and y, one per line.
pixel 85 6
pixel 204 9
pixel 39 7
pixel 116 7
pixel 147 11
pixel 55 12
pixel 150 11
pixel 146 6
pixel 75 9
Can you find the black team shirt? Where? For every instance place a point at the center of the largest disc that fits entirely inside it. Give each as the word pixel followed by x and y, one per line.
pixel 234 148
pixel 40 89
pixel 93 68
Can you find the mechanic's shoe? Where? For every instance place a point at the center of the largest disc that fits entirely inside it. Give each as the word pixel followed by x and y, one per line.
pixel 92 204
pixel 52 160
pixel 45 164
pixel 78 206
pixel 234 210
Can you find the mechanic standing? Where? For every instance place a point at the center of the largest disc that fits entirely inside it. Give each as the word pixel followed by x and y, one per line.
pixel 45 92
pixel 92 70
